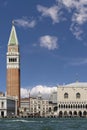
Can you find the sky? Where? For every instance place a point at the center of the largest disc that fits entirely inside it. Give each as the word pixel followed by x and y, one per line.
pixel 52 36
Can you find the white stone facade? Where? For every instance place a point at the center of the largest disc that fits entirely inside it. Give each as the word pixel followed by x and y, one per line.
pixel 8 106
pixel 34 107
pixel 72 99
pixel 39 106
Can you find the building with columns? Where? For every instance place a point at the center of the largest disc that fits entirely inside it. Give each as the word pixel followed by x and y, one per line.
pixel 72 99
pixel 13 66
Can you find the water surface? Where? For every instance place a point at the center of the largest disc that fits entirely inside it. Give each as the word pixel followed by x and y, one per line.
pixel 43 124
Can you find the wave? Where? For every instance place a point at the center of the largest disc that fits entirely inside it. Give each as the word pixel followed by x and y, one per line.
pixel 18 120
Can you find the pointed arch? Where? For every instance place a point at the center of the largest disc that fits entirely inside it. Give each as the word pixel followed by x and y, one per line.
pixel 66 95
pixel 78 95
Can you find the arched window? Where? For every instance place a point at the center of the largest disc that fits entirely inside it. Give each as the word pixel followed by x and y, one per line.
pixel 75 113
pixel 71 105
pixel 60 114
pixel 80 113
pixel 64 105
pixel 2 104
pixel 70 113
pixel 78 106
pixel 65 95
pixel 84 113
pixel 74 106
pixel 78 95
pixel 59 105
pixel 55 108
pixel 49 109
pixel 65 113
pixel 86 106
pixel 82 106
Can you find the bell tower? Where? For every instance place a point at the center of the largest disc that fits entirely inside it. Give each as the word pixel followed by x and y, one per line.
pixel 13 66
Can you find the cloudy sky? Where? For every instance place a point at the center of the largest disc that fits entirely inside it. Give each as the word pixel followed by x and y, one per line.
pixel 53 41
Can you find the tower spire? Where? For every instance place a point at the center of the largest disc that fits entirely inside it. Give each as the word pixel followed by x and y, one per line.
pixel 13 22
pixel 13 40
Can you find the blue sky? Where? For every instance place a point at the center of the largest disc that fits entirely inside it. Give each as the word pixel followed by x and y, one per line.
pixel 53 40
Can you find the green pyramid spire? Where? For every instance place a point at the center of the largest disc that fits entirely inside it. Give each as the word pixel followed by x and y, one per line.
pixel 13 36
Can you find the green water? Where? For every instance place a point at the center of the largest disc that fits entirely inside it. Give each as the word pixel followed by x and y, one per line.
pixel 44 124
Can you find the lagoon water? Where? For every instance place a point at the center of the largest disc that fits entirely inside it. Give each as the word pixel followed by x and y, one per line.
pixel 43 124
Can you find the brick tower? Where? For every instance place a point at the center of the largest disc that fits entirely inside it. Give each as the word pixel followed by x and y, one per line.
pixel 13 66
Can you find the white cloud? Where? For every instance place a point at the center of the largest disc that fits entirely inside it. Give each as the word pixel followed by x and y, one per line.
pixel 49 42
pixel 25 92
pixel 69 4
pixel 44 90
pixel 25 22
pixel 79 15
pixel 77 31
pixel 77 8
pixel 52 12
pixel 78 62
